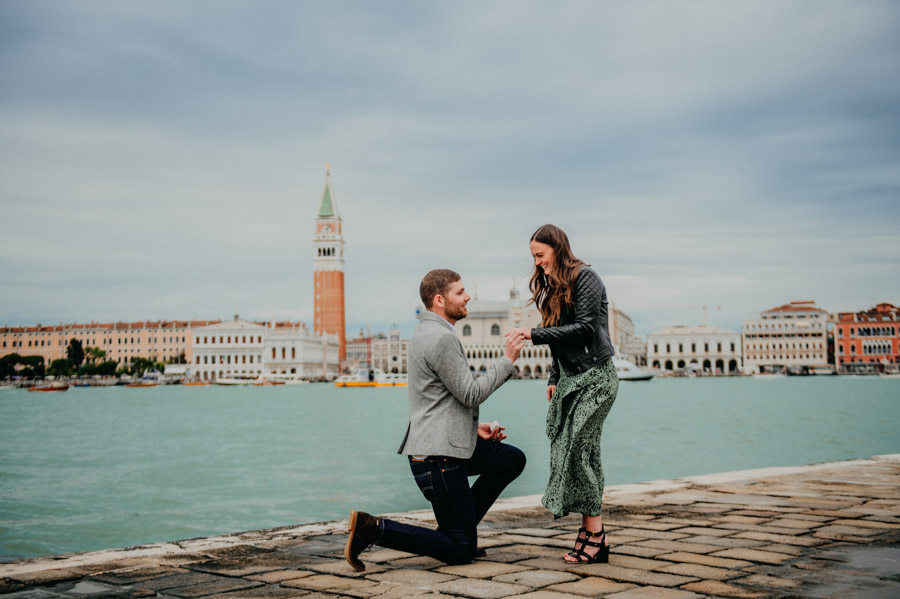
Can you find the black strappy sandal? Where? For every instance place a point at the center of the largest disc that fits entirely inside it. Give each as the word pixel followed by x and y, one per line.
pixel 583 557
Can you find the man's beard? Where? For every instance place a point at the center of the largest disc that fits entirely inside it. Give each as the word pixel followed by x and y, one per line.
pixel 456 312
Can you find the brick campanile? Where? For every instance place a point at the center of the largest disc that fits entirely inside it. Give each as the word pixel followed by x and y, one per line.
pixel 328 269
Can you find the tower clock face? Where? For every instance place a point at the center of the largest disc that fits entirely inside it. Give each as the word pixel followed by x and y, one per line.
pixel 326 229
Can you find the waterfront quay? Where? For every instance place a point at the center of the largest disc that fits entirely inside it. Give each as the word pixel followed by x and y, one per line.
pixel 824 530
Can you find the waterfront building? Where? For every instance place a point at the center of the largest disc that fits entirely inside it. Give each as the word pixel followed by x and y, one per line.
pixel 390 353
pixel 867 341
pixel 161 340
pixel 359 352
pixel 251 350
pixel 702 349
pixel 627 345
pixel 328 269
pixel 792 337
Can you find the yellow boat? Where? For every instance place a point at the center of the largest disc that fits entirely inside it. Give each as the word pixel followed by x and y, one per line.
pixel 371 377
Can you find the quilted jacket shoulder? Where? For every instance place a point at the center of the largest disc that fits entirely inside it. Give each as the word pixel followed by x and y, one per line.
pixel 581 339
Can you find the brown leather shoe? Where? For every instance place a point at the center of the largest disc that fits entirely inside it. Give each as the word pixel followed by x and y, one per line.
pixel 364 531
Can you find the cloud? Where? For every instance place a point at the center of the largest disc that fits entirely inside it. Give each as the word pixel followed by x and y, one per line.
pixel 166 160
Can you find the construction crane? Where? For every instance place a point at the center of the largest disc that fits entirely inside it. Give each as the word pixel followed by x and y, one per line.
pixel 704 308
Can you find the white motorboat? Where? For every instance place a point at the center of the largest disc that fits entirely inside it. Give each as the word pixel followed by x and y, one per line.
pixel 237 380
pixel 287 379
pixel 630 372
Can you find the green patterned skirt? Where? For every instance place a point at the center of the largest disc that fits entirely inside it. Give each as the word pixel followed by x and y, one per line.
pixel 574 424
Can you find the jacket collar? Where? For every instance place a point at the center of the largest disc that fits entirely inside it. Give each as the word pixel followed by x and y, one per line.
pixel 429 315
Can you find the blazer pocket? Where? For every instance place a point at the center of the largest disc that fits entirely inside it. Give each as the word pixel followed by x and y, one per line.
pixel 457 436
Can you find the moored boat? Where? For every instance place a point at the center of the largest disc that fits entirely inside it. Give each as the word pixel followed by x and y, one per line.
pixel 236 380
pixel 630 372
pixel 286 379
pixel 371 377
pixel 150 379
pixel 58 387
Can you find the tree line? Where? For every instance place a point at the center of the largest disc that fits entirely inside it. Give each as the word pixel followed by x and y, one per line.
pixel 79 360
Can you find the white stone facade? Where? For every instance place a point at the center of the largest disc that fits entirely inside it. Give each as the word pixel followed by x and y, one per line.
pixel 359 352
pixel 703 349
pixel 247 349
pixel 390 353
pixel 792 337
pixel 621 331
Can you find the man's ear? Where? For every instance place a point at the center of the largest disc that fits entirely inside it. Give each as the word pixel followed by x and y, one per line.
pixel 438 301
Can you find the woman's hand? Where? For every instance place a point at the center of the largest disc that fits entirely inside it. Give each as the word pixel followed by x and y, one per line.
pixel 525 333
pixel 550 390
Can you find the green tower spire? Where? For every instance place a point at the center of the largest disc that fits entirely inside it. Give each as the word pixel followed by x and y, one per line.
pixel 328 208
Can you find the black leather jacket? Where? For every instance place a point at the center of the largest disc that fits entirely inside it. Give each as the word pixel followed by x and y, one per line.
pixel 581 340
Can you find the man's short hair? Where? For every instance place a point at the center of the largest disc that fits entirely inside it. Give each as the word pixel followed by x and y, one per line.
pixel 435 283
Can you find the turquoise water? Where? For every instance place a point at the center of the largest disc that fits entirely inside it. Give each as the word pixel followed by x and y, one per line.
pixel 94 468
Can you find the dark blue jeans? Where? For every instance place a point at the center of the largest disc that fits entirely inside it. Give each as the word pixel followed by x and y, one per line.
pixel 457 507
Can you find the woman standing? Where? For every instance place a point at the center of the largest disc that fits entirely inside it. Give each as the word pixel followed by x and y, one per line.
pixel 582 386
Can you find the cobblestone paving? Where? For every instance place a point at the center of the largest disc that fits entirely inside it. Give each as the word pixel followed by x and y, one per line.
pixel 829 530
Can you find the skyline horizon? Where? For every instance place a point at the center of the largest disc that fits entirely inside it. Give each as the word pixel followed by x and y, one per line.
pixel 407 327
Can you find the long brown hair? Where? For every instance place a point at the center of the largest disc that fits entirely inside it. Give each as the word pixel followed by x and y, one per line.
pixel 550 293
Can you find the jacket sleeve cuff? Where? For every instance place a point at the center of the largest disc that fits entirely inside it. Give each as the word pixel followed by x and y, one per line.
pixel 508 366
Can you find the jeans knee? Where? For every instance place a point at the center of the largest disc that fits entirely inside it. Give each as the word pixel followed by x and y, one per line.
pixel 518 461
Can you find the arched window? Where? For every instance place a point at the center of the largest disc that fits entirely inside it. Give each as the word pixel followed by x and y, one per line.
pixel 467 331
pixel 495 329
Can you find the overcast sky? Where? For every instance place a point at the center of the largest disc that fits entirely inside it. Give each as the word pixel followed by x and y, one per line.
pixel 166 159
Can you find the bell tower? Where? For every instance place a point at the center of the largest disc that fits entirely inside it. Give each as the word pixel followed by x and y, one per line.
pixel 328 269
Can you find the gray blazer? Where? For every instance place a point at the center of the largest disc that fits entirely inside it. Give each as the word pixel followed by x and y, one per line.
pixel 444 395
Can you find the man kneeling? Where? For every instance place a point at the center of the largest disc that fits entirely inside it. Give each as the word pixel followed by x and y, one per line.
pixel 444 442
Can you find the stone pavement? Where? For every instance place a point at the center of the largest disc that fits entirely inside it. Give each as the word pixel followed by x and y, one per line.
pixel 827 530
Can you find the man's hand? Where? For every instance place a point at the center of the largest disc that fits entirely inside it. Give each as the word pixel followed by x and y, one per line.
pixel 515 341
pixel 550 390
pixel 491 434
